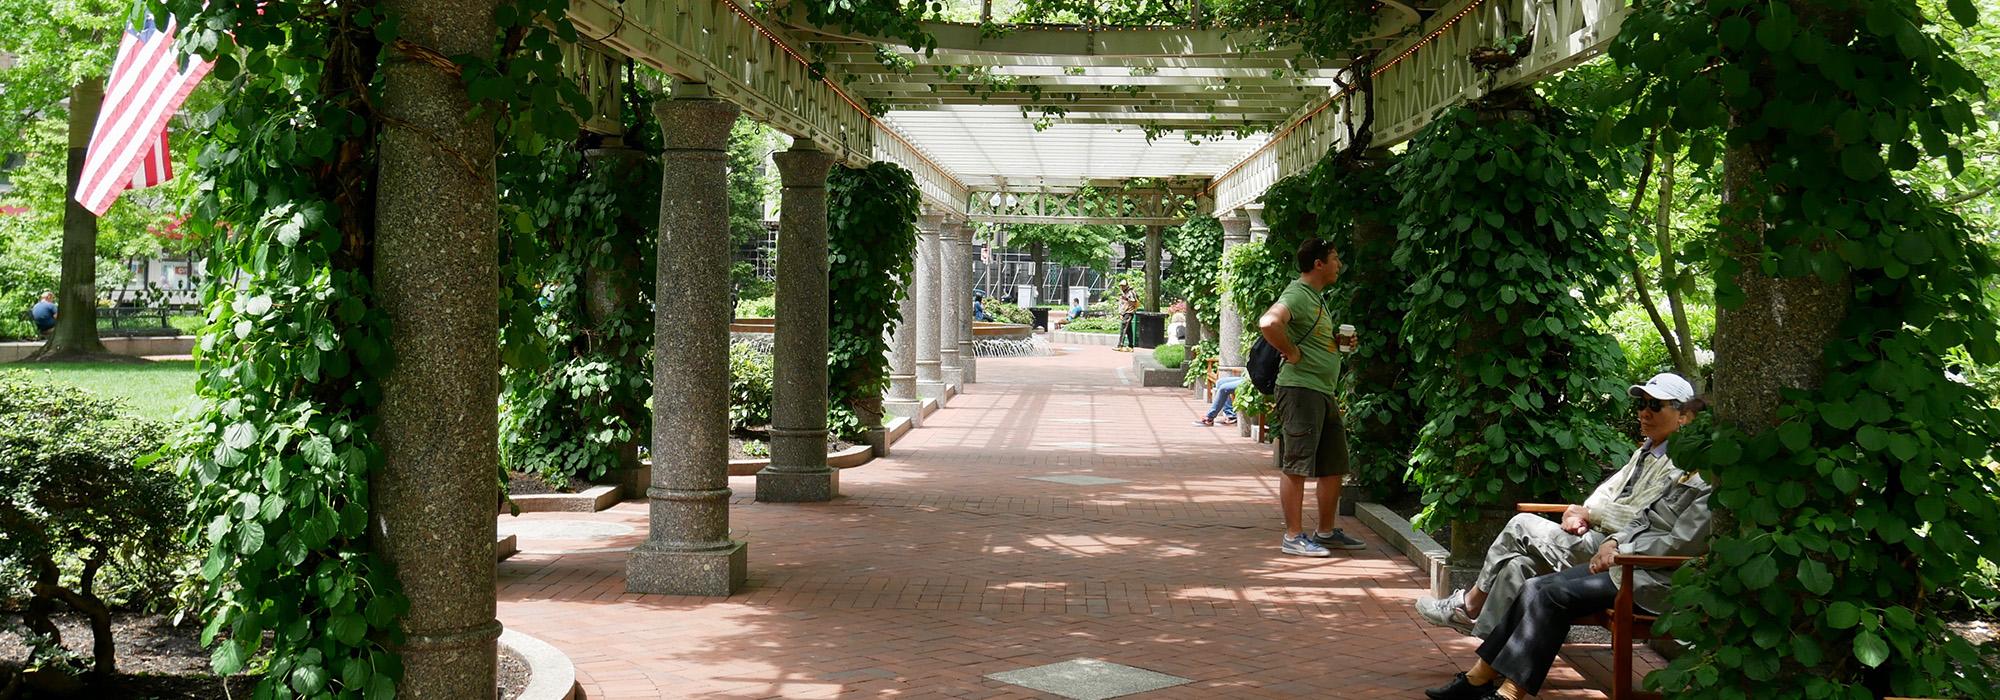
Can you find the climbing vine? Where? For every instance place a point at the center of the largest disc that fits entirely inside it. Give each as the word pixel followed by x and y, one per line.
pixel 575 377
pixel 295 347
pixel 1502 219
pixel 872 240
pixel 1196 247
pixel 1345 199
pixel 1850 494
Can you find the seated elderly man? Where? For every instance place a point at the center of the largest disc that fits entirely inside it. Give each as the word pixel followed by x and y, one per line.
pixel 1532 545
pixel 1516 655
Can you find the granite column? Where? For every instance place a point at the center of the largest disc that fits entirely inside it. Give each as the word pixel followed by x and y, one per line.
pixel 1235 232
pixel 798 471
pixel 901 398
pixel 968 364
pixel 687 549
pixel 610 288
pixel 1153 235
pixel 436 279
pixel 950 314
pixel 930 376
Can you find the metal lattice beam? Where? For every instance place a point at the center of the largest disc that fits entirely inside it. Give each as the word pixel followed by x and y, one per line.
pixel 1428 73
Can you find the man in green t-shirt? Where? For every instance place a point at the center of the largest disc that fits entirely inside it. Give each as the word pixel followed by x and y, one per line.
pixel 1312 442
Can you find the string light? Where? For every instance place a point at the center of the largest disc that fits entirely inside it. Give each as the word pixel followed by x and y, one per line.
pixel 1372 74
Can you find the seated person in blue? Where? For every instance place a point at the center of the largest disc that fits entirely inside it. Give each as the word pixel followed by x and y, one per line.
pixel 1516 656
pixel 44 313
pixel 1225 402
pixel 979 311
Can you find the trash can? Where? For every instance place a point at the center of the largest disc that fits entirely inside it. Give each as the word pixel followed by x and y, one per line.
pixel 1041 314
pixel 1152 329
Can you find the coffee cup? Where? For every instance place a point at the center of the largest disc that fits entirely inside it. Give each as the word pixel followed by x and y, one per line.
pixel 1346 339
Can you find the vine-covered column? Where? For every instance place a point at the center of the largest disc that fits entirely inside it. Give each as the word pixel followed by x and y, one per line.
pixel 1153 235
pixel 930 376
pixel 798 470
pixel 1235 232
pixel 687 549
pixel 611 290
pixel 437 271
pixel 950 314
pixel 1853 476
pixel 968 365
pixel 1502 219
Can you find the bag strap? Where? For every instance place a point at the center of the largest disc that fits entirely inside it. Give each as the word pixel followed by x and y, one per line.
pixel 1316 320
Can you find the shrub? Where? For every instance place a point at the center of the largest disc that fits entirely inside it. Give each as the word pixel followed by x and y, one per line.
pixel 1003 312
pixel 1093 324
pixel 1197 361
pixel 87 522
pixel 760 307
pixel 1170 356
pixel 749 387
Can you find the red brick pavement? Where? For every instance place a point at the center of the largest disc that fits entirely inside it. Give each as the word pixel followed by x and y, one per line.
pixel 944 563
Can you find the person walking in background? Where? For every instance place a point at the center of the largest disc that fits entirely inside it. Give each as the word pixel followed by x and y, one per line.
pixel 1128 311
pixel 44 313
pixel 1312 441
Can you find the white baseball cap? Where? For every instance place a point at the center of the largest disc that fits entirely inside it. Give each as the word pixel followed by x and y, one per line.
pixel 1666 386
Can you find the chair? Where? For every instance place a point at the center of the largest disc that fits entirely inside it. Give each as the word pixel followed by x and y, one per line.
pixel 1626 622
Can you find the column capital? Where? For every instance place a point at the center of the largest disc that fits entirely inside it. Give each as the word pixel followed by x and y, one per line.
pixel 1236 226
pixel 696 123
pixel 804 165
pixel 930 224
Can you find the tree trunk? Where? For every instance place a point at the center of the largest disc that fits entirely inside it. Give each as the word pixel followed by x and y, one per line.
pixel 1038 250
pixel 75 334
pixel 1683 345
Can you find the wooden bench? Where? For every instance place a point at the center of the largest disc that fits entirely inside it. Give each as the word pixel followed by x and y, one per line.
pixel 1627 623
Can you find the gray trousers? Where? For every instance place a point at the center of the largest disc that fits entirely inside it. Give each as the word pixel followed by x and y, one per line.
pixel 1531 545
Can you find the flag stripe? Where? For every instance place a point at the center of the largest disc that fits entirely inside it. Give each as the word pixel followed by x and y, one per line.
pixel 128 146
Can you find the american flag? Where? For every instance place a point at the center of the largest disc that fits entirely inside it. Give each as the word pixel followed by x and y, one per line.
pixel 128 147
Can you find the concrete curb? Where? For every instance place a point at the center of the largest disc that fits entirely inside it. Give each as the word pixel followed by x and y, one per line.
pixel 506 547
pixel 1152 373
pixel 1068 338
pixel 597 497
pixel 551 675
pixel 845 459
pixel 1422 551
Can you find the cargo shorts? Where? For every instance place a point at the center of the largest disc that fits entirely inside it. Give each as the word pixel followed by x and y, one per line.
pixel 1312 441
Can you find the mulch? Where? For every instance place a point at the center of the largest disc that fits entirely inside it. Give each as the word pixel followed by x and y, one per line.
pixel 158 661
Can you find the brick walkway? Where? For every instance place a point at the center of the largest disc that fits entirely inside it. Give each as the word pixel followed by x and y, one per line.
pixel 945 562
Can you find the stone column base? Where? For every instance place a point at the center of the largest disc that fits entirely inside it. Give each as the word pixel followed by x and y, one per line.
pixel 877 440
pixel 797 487
pixel 718 572
pixel 631 483
pixel 912 410
pixel 954 376
pixel 930 390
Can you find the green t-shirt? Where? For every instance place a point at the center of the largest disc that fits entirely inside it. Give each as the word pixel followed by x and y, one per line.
pixel 1318 367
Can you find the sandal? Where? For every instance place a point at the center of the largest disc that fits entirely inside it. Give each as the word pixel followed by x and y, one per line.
pixel 1205 423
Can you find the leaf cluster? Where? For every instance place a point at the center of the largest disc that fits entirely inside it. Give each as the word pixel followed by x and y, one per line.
pixel 1196 248
pixel 1502 219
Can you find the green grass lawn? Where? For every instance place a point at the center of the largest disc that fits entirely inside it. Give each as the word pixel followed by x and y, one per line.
pixel 154 390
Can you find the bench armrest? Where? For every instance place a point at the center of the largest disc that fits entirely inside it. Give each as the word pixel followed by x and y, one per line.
pixel 1541 507
pixel 1645 562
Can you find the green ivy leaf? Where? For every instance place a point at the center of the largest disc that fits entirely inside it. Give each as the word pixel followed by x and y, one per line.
pixel 1842 615
pixel 1963 12
pixel 1870 649
pixel 1759 572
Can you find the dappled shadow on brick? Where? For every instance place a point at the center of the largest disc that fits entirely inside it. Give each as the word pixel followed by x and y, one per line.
pixel 947 562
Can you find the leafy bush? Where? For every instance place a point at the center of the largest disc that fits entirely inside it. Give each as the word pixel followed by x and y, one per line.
pixel 1197 361
pixel 1645 354
pixel 749 387
pixel 87 521
pixel 1251 403
pixel 1170 356
pixel 745 284
pixel 760 307
pixel 1003 312
pixel 1197 250
pixel 1093 324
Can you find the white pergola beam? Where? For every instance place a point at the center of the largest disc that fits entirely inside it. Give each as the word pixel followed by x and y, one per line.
pixel 844 58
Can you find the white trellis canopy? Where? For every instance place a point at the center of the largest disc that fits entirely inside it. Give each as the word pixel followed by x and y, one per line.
pixel 964 117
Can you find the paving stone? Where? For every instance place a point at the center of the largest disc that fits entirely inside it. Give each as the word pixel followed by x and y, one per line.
pixel 1078 480
pixel 1088 679
pixel 562 529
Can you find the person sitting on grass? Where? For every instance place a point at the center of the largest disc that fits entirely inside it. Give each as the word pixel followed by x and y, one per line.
pixel 1225 402
pixel 1532 545
pixel 1517 653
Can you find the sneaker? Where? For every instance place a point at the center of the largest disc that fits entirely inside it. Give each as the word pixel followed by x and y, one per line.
pixel 1338 539
pixel 1303 546
pixel 1448 611
pixel 1461 689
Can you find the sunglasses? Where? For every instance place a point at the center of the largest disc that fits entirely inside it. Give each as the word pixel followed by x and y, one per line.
pixel 1655 405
